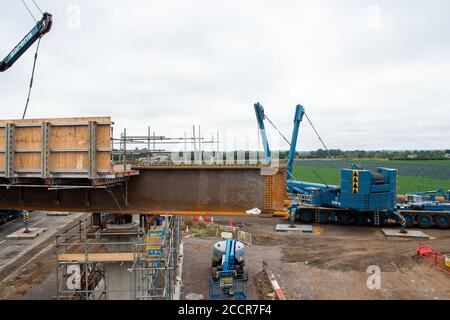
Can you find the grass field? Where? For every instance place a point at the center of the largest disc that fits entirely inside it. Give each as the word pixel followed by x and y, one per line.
pixel 414 175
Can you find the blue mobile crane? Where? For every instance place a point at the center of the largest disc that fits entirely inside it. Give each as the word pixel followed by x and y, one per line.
pixel 363 196
pixel 42 27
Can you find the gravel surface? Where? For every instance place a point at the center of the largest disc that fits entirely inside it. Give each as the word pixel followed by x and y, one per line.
pixel 331 263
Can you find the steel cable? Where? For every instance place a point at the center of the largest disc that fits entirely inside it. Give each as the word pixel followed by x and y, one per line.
pixel 31 80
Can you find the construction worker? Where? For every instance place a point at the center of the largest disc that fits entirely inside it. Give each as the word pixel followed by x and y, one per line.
pixel 26 218
pixel 292 212
pixel 401 219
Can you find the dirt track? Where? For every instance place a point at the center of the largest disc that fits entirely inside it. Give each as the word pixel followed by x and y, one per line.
pixel 329 264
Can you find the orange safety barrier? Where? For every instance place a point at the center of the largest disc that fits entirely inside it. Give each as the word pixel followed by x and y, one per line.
pixel 438 258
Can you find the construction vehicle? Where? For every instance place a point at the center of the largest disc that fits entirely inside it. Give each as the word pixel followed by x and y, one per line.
pixel 428 195
pixel 42 27
pixel 228 277
pixel 423 209
pixel 8 215
pixel 363 196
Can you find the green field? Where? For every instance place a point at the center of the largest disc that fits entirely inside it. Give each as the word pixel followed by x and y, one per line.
pixel 414 175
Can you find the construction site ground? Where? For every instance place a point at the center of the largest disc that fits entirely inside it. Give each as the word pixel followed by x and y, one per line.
pixel 330 263
pixel 28 266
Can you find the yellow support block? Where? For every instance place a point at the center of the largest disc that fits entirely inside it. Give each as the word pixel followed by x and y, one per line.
pixel 281 214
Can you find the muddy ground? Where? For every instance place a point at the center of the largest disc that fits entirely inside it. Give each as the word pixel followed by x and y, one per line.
pixel 331 263
pixel 35 281
pixel 31 272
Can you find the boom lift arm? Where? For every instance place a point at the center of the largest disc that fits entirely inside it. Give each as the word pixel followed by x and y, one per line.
pixel 228 263
pixel 42 27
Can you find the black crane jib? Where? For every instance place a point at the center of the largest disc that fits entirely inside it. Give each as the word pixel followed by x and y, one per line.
pixel 42 27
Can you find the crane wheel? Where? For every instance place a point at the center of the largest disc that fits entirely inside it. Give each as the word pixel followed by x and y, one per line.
pixel 360 219
pixel 324 217
pixel 344 218
pixel 214 263
pixel 424 221
pixel 410 220
pixel 442 221
pixel 306 216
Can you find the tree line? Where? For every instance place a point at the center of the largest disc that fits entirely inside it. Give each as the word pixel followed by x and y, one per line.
pixel 317 154
pixel 380 154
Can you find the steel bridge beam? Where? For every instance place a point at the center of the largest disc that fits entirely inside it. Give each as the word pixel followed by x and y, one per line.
pixel 203 190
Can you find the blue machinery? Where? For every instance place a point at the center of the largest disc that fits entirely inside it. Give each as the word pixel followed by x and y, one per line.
pixel 424 209
pixel 42 27
pixel 428 195
pixel 363 196
pixel 6 215
pixel 228 280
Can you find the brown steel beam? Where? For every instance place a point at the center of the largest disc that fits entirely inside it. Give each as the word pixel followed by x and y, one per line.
pixel 213 190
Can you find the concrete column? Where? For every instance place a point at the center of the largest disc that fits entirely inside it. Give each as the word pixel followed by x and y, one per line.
pixel 96 219
pixel 120 281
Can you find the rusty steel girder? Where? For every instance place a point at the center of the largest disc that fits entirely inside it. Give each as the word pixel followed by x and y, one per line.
pixel 215 190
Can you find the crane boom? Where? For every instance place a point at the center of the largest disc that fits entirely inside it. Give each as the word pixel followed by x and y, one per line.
pixel 293 185
pixel 299 112
pixel 259 111
pixel 42 27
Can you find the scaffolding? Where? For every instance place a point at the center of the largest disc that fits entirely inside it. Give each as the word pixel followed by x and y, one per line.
pixel 95 263
pixel 150 148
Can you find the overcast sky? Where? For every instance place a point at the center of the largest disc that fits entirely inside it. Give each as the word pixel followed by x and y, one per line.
pixel 370 74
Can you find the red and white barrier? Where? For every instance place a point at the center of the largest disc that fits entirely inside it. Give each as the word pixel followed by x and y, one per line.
pixel 274 283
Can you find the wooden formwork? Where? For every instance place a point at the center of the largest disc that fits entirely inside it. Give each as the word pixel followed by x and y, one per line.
pixel 56 148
